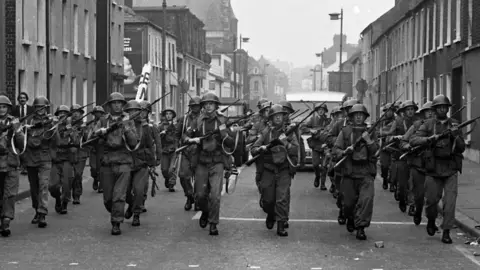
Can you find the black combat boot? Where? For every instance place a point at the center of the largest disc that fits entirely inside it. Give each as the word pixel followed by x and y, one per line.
pixel 385 183
pixel 58 205
pixel 136 220
pixel 213 229
pixel 281 229
pixel 35 219
pixel 5 229
pixel 189 203
pixel 64 210
pixel 361 234
pixel 203 220
pixel 446 237
pixel 393 187
pixel 116 228
pixel 95 184
pixel 411 210
pixel 171 189
pixel 322 184
pixel 76 200
pixel 417 219
pixel 332 188
pixel 270 221
pixel 42 222
pixel 286 225
pixel 197 207
pixel 128 212
pixel 341 218
pixel 431 227
pixel 316 182
pixel 402 206
pixel 100 190
pixel 350 225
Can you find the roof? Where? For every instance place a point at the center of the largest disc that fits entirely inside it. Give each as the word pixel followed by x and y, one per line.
pixel 137 19
pixel 316 96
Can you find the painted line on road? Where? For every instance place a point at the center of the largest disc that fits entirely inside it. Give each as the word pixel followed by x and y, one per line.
pixel 199 213
pixel 467 254
pixel 318 221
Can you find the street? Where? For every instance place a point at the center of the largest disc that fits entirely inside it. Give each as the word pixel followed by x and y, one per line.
pixel 170 238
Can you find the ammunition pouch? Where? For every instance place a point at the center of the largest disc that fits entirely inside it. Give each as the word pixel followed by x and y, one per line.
pixel 361 154
pixel 209 144
pixel 279 154
pixel 429 159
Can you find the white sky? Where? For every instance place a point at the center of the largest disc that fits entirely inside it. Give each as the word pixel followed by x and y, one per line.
pixel 294 30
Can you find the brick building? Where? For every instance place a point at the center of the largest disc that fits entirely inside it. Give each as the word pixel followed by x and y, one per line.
pixel 7 48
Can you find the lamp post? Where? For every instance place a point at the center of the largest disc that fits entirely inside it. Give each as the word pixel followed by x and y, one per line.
pixel 334 17
pixel 164 51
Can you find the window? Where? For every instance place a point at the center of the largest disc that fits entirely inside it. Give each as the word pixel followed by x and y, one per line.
pixel 52 22
pixel 95 35
pixel 63 90
pixel 21 81
pixel 427 35
pixel 35 83
pixel 94 91
pixel 74 90
pixel 422 30
pixel 441 85
pixel 449 23
pixel 85 92
pixel 434 86
pixel 86 28
pixel 75 28
pixel 448 87
pixel 169 56
pixel 174 58
pixel 440 28
pixel 256 86
pixel 434 30
pixel 24 25
pixel 469 108
pixel 120 41
pixel 64 24
pixel 428 95
pixel 458 20
pixel 470 17
pixel 193 75
pixel 40 21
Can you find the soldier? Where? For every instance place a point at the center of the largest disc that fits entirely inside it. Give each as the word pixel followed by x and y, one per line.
pixel 81 154
pixel 169 145
pixel 185 158
pixel 94 159
pixel 400 170
pixel 416 164
pixel 38 160
pixel 336 115
pixel 332 137
pixel 62 173
pixel 443 161
pixel 279 168
pixel 359 171
pixel 211 159
pixel 9 162
pixel 116 160
pixel 287 106
pixel 144 159
pixel 385 154
pixel 315 126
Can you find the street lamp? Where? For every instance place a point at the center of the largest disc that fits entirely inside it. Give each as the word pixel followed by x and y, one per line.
pixel 335 17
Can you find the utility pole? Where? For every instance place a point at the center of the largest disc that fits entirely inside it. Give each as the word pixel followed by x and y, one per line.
pixel 164 52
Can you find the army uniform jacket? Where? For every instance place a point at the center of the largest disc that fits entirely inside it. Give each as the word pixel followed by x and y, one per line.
pixel 447 151
pixel 398 127
pixel 80 133
pixel 65 143
pixel 335 130
pixel 257 129
pixel 413 160
pixel 9 161
pixel 38 143
pixel 185 124
pixel 319 123
pixel 169 138
pixel 145 154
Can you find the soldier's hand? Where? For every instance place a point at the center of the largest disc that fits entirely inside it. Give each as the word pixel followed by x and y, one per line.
pixel 313 131
pixel 398 137
pixel 262 148
pixel 407 147
pixel 163 132
pixel 222 127
pixel 454 130
pixel 433 138
pixel 324 145
pixel 292 125
pixel 100 131
pixel 194 140
pixel 366 137
pixel 348 151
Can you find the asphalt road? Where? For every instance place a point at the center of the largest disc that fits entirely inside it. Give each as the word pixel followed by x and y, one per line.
pixel 170 238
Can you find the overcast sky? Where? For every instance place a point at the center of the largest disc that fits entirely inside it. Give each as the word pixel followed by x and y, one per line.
pixel 294 30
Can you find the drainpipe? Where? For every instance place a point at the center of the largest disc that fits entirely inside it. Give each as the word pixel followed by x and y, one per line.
pixel 47 49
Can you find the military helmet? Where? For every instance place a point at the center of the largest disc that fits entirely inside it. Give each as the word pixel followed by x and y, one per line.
pixel 441 100
pixel 335 110
pixel 409 103
pixel 62 108
pixel 99 109
pixel 264 106
pixel 117 96
pixel 76 108
pixel 388 106
pixel 210 97
pixel 195 101
pixel 146 105
pixel 41 101
pixel 349 103
pixel 261 101
pixel 132 105
pixel 359 108
pixel 169 109
pixel 321 105
pixel 426 106
pixel 4 100
pixel 276 109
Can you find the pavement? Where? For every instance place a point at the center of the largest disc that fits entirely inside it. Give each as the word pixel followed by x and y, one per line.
pixel 170 238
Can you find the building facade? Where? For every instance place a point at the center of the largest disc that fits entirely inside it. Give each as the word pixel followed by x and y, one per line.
pixel 143 44
pixel 8 48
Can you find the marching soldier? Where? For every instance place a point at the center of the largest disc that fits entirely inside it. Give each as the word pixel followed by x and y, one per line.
pixel 315 126
pixel 94 159
pixel 443 161
pixel 332 137
pixel 336 115
pixel 279 168
pixel 185 158
pixel 211 159
pixel 117 132
pixel 385 154
pixel 287 106
pixel 144 160
pixel 81 154
pixel 38 160
pixel 169 145
pixel 9 162
pixel 400 170
pixel 258 116
pixel 415 161
pixel 359 171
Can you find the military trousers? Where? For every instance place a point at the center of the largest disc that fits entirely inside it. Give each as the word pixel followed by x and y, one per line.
pixel 208 189
pixel 167 164
pixel 136 189
pixel 358 196
pixel 338 186
pixel 8 191
pixel 38 177
pixel 275 187
pixel 259 171
pixel 385 163
pixel 185 174
pixel 320 171
pixel 418 181
pixel 116 179
pixel 401 173
pixel 61 180
pixel 434 188
pixel 77 185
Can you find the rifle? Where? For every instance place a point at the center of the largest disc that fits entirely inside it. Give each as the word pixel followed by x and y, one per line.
pixel 153 175
pixel 226 108
pixel 64 119
pixel 445 133
pixel 306 110
pixel 214 131
pixel 22 119
pixel 287 133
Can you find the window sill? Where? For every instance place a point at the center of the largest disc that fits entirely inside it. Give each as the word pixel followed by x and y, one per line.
pixel 53 48
pixel 439 48
pixel 40 44
pixel 26 42
pixel 65 51
pixel 448 44
pixel 87 56
pixel 432 50
pixel 77 53
pixel 457 40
